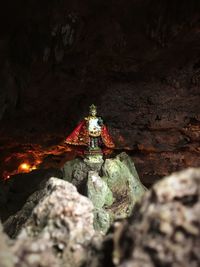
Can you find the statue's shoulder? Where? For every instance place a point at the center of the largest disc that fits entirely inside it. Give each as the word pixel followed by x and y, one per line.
pixel 87 118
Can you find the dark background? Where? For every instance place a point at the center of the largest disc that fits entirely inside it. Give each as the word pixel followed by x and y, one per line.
pixel 138 61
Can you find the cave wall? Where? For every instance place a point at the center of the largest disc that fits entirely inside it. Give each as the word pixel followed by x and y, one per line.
pixel 139 61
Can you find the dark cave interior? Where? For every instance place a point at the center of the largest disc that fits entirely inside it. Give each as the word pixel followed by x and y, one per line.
pixel 137 60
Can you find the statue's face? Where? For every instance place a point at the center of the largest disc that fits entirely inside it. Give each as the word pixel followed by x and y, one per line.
pixel 93 113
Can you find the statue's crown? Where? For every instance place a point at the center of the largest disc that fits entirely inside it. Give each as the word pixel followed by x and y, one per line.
pixel 93 107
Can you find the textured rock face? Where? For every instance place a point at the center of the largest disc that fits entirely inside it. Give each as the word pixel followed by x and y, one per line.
pixel 101 196
pixel 61 225
pixel 98 190
pixel 34 253
pixel 122 178
pixel 15 192
pixel 6 256
pixel 113 186
pixel 161 127
pixel 165 230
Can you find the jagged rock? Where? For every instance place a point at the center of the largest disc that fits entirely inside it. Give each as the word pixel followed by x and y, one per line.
pixel 76 172
pixel 122 179
pixel 112 185
pixel 98 191
pixel 6 256
pixel 61 222
pixel 26 252
pixel 15 191
pixel 101 196
pixel 34 253
pixel 102 220
pixel 94 162
pixel 84 175
pixel 14 224
pixel 164 229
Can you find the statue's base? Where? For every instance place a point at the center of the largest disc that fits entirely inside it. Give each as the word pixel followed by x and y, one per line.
pixel 93 151
pixel 93 156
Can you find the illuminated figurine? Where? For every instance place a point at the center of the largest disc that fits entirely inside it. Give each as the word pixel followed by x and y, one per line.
pixel 91 132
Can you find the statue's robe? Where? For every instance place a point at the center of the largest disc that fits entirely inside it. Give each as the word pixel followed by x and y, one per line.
pixel 80 136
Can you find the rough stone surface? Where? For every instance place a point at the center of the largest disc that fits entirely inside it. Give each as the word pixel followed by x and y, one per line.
pixel 15 191
pixel 14 224
pixel 123 180
pixel 113 186
pixel 101 196
pixel 164 229
pixel 98 191
pixel 6 256
pixel 60 223
pixel 26 252
pixel 34 253
pixel 76 171
pixel 102 220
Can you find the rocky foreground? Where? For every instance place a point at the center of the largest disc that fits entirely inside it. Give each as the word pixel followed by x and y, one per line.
pixel 55 227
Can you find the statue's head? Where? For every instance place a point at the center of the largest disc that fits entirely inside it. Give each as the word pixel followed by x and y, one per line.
pixel 93 110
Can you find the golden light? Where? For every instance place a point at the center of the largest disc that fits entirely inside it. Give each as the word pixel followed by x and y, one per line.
pixel 25 162
pixel 34 167
pixel 24 167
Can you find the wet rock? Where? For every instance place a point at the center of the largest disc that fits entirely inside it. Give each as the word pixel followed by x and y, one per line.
pixel 164 229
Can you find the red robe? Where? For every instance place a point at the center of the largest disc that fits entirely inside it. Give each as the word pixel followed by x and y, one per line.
pixel 80 136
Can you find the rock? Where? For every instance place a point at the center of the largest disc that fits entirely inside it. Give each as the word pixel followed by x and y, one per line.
pixel 6 256
pixel 98 191
pixel 164 229
pixel 76 172
pixel 34 253
pixel 112 185
pixel 26 252
pixel 94 162
pixel 102 220
pixel 60 222
pixel 14 224
pixel 123 180
pixel 15 191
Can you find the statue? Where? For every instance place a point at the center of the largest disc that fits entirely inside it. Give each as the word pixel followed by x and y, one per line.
pixel 91 132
